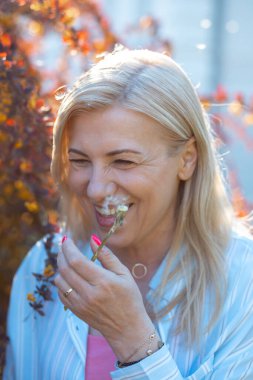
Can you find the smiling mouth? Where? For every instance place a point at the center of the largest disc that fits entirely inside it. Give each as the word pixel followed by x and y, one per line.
pixel 108 212
pixel 106 218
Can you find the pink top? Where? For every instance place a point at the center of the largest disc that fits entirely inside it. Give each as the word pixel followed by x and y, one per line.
pixel 100 359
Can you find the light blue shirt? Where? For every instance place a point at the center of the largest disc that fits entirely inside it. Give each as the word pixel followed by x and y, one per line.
pixel 53 347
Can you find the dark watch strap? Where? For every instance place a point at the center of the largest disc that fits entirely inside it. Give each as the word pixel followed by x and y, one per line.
pixel 121 365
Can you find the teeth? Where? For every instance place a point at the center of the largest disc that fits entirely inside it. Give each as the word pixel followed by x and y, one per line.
pixel 106 212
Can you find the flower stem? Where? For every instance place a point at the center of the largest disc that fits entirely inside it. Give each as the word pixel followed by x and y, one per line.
pixel 120 214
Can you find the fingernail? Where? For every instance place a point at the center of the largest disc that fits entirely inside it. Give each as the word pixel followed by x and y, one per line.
pixel 96 239
pixel 64 239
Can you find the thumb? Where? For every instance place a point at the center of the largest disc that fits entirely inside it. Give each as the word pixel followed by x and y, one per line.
pixel 107 258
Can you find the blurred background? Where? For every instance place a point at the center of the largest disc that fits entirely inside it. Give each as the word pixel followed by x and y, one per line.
pixel 212 39
pixel 46 44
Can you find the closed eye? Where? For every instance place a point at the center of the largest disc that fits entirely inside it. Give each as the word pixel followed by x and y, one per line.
pixel 124 163
pixel 79 161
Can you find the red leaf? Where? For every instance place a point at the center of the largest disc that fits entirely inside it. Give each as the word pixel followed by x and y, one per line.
pixel 10 122
pixel 5 40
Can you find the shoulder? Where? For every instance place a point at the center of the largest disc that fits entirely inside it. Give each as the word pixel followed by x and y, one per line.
pixel 240 249
pixel 239 260
pixel 34 261
pixel 27 277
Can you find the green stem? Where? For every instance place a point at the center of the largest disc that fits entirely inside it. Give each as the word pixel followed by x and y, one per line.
pixel 120 214
pixel 109 233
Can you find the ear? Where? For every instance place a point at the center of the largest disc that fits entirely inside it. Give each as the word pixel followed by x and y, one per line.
pixel 188 160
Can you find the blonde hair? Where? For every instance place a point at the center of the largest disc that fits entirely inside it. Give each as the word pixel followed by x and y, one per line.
pixel 153 84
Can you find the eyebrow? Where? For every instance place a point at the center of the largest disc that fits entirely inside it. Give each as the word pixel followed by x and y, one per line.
pixel 112 153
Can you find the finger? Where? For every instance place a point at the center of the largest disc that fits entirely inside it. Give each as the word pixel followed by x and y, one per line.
pixel 79 264
pixel 70 276
pixel 108 259
pixel 65 293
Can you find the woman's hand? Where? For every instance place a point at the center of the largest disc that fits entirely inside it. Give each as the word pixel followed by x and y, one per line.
pixel 106 298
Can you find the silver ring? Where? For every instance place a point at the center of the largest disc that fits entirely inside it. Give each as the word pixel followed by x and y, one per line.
pixel 67 293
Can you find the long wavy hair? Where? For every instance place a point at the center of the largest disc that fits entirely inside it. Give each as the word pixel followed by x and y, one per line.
pixel 153 84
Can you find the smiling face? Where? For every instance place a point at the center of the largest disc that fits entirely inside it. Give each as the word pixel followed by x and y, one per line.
pixel 122 153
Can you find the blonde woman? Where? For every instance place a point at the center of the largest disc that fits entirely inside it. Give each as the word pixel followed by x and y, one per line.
pixel 170 295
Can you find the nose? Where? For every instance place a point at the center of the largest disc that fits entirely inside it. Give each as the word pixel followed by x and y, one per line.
pixel 100 185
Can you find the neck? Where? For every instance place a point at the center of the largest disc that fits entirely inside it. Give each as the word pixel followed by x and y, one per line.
pixel 149 253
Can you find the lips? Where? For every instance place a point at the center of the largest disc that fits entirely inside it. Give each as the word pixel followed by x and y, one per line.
pixel 106 218
pixel 104 221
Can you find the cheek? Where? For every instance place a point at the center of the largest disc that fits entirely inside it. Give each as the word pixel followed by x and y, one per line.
pixel 165 188
pixel 76 182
